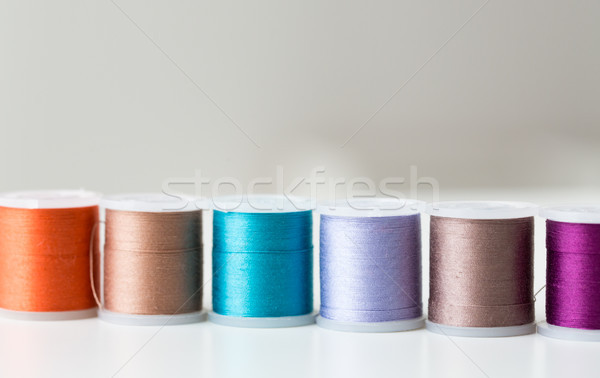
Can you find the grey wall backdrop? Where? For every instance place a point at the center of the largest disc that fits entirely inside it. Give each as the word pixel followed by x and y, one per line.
pixel 121 95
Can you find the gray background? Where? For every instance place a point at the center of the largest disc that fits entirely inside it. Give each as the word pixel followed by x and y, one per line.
pixel 90 100
pixel 505 106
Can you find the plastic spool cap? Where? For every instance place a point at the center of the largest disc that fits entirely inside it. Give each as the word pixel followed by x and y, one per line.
pixel 155 203
pixel 152 203
pixel 482 209
pixel 49 199
pixel 447 330
pixel 261 203
pixel 371 207
pixel 373 327
pixel 151 320
pixel 265 204
pixel 589 214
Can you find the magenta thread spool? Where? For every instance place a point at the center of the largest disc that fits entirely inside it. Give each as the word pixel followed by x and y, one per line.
pixel 572 273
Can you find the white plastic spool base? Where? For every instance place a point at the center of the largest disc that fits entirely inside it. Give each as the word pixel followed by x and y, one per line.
pixel 150 320
pixel 48 316
pixel 567 333
pixel 372 327
pixel 274 322
pixel 447 330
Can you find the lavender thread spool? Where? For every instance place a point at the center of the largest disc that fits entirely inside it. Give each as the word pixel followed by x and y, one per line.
pixel 370 265
pixel 567 273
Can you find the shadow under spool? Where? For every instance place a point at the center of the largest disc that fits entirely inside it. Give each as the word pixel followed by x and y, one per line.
pixel 481 269
pixel 152 265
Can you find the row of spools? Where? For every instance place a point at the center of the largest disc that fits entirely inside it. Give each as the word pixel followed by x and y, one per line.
pixel 137 259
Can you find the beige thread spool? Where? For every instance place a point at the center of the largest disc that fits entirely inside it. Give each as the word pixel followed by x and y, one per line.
pixel 152 262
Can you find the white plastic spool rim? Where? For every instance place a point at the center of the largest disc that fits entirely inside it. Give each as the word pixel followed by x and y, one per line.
pixel 261 203
pixel 589 214
pixel 49 199
pixel 152 202
pixel 371 207
pixel 482 209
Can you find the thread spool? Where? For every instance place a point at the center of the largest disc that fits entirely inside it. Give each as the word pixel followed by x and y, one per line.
pixel 370 264
pixel 152 262
pixel 262 262
pixel 45 238
pixel 481 268
pixel 573 268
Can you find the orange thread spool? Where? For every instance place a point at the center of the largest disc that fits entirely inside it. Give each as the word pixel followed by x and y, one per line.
pixel 45 239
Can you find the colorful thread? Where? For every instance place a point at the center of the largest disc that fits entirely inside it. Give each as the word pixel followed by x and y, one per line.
pixel 481 272
pixel 153 262
pixel 370 268
pixel 44 259
pixel 262 264
pixel 573 275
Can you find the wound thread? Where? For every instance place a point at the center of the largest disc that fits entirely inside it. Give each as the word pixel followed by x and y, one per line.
pixel 262 264
pixel 153 262
pixel 370 268
pixel 44 259
pixel 573 275
pixel 481 272
pixel 45 237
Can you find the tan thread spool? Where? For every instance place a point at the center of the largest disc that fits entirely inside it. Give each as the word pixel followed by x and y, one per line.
pixel 152 263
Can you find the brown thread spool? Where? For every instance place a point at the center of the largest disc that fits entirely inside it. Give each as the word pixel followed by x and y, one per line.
pixel 152 264
pixel 481 268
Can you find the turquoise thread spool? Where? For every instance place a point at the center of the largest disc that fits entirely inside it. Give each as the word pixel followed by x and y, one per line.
pixel 262 262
